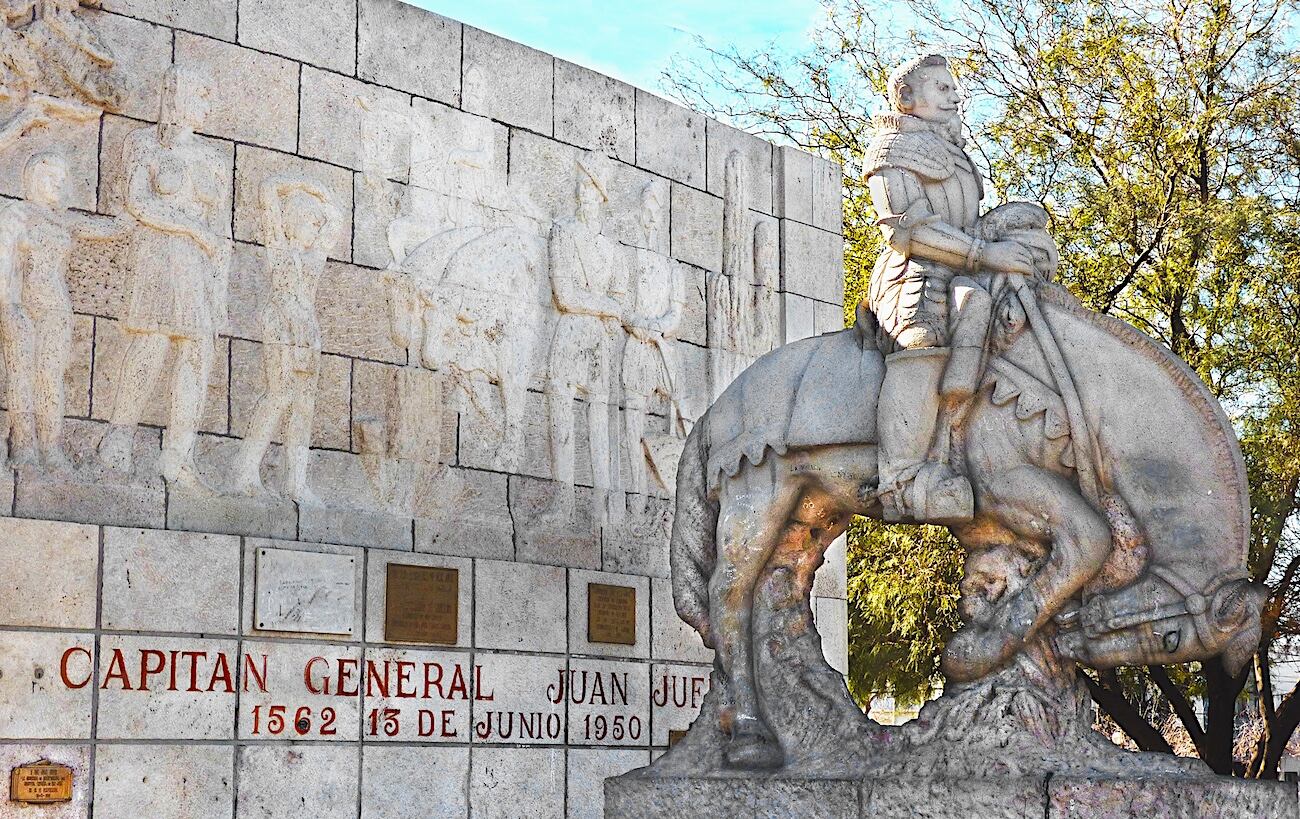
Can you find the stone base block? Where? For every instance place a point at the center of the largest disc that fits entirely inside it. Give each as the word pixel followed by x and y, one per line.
pixel 1052 797
pixel 225 514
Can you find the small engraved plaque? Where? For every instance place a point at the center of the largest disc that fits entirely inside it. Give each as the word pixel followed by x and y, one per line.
pixel 40 783
pixel 611 614
pixel 675 736
pixel 421 604
pixel 312 592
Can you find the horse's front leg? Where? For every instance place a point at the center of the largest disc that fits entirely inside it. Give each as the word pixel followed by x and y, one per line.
pixel 755 506
pixel 1041 506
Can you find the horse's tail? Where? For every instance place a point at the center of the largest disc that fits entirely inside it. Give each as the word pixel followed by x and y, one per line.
pixel 693 550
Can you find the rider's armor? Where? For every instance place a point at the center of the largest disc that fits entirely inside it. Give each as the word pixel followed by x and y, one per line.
pixel 932 313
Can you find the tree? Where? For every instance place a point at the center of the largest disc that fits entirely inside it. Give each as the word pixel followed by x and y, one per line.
pixel 1160 136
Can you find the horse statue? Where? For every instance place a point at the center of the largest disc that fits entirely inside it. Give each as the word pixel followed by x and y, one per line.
pixel 1092 480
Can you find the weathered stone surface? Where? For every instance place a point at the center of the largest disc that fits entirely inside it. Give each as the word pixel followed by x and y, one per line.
pixel 377 591
pixel 75 140
pixel 810 262
pixel 331 425
pixel 638 544
pixel 792 184
pixel 102 300
pixel 49 574
pixel 937 798
pixel 827 318
pixel 318 32
pixel 697 228
pixel 592 110
pixel 410 49
pixel 201 707
pixel 799 317
pixel 541 539
pixel 356 321
pixel 588 770
pixel 297 781
pixel 827 195
pixel 670 139
pixel 671 638
pixel 215 18
pixel 94 494
pixel 254 96
pixel 143 52
pixel 110 347
pixel 349 513
pixel 170 581
pixel 465 512
pixel 508 782
pixel 757 162
pixel 215 506
pixel 251 545
pixel 609 703
pixel 76 757
pixel 325 679
pixel 253 166
pixel 1203 798
pixel 424 696
pixel 832 624
pixel 831 579
pixel 507 81
pixel 387 774
pixel 521 699
pixel 165 781
pixel 544 168
pixel 331 125
pixel 519 606
pixel 632 797
pixel 579 581
pixel 676 696
pixel 34 702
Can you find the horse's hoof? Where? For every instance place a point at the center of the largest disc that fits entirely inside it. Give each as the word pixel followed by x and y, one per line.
pixel 752 748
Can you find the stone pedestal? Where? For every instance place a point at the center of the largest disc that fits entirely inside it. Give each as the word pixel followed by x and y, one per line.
pixel 634 796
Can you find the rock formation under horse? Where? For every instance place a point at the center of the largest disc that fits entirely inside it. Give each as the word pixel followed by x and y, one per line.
pixel 1094 483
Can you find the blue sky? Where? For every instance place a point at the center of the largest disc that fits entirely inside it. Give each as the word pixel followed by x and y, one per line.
pixel 633 39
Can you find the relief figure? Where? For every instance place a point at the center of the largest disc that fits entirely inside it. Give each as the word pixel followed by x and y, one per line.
pixel 177 279
pixel 300 223
pixel 36 240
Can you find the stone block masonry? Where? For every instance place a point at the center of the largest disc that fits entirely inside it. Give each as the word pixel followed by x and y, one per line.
pixel 131 647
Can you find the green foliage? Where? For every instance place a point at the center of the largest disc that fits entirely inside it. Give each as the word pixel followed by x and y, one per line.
pixel 902 608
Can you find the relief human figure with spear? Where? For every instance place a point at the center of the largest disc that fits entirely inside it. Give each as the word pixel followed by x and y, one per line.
pixel 1094 483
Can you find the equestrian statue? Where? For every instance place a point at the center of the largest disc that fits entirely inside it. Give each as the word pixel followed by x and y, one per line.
pixel 1094 483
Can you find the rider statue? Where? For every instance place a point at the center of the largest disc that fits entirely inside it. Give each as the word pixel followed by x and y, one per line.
pixel 925 292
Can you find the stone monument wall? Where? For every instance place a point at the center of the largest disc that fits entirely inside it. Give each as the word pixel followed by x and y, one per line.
pixel 344 486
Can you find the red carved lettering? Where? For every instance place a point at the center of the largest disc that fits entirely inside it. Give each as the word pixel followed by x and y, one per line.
pixel 374 681
pixel 347 667
pixel 404 669
pixel 147 669
pixel 117 671
pixel 63 667
pixel 432 682
pixel 479 696
pixel 250 671
pixel 307 679
pixel 193 657
pixel 171 672
pixel 221 672
pixel 447 730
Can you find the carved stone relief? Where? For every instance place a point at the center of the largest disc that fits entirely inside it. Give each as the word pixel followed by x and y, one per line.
pixel 744 317
pixel 53 67
pixel 300 223
pixel 177 277
pixel 36 239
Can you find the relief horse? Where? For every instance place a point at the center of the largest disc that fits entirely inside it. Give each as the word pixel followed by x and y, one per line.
pixel 1097 457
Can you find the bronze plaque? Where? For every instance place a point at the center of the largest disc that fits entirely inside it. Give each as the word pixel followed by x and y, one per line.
pixel 422 604
pixel 675 736
pixel 611 614
pixel 40 783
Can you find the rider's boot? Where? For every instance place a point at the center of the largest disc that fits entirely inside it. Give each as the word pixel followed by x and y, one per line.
pixel 913 487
